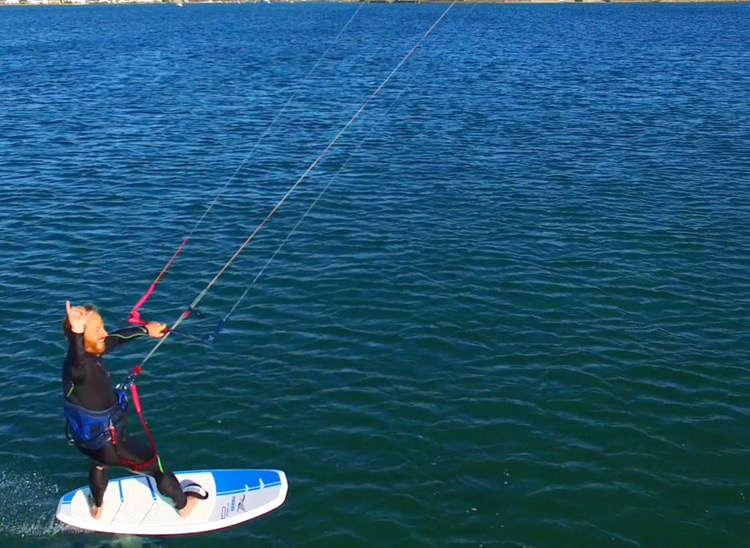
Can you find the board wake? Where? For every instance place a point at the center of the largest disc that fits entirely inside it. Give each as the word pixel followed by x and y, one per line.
pixel 133 505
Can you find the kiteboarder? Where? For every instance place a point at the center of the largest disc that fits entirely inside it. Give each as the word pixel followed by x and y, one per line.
pixel 95 410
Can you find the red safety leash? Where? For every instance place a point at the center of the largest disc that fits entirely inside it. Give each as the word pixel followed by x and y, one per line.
pixel 130 383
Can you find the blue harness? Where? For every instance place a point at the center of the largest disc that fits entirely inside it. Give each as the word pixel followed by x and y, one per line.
pixel 92 430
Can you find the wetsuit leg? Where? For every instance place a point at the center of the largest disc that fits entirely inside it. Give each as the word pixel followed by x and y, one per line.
pixel 97 482
pixel 137 451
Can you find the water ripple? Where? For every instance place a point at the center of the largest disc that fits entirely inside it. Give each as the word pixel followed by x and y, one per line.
pixel 517 316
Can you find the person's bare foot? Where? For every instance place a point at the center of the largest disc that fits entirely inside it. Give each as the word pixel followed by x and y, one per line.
pixel 190 505
pixel 96 512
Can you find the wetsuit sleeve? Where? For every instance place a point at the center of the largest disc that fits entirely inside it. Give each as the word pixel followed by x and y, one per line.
pixel 76 357
pixel 116 338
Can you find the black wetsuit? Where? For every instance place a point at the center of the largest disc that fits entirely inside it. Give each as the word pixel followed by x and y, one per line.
pixel 87 383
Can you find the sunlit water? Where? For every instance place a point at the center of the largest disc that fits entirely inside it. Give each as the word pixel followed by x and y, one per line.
pixel 517 316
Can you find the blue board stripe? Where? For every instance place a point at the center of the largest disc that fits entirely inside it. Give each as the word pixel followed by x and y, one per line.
pixel 150 486
pixel 247 488
pixel 122 497
pixel 68 498
pixel 238 481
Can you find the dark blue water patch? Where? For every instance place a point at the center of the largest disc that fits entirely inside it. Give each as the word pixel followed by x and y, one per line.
pixel 515 315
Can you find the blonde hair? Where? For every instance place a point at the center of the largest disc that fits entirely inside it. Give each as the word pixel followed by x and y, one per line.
pixel 66 322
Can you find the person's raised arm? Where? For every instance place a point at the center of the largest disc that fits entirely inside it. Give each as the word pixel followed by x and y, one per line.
pixel 77 317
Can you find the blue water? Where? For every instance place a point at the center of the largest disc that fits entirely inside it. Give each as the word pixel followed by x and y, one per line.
pixel 517 316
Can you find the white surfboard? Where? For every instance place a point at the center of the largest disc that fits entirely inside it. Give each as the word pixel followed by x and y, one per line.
pixel 133 505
